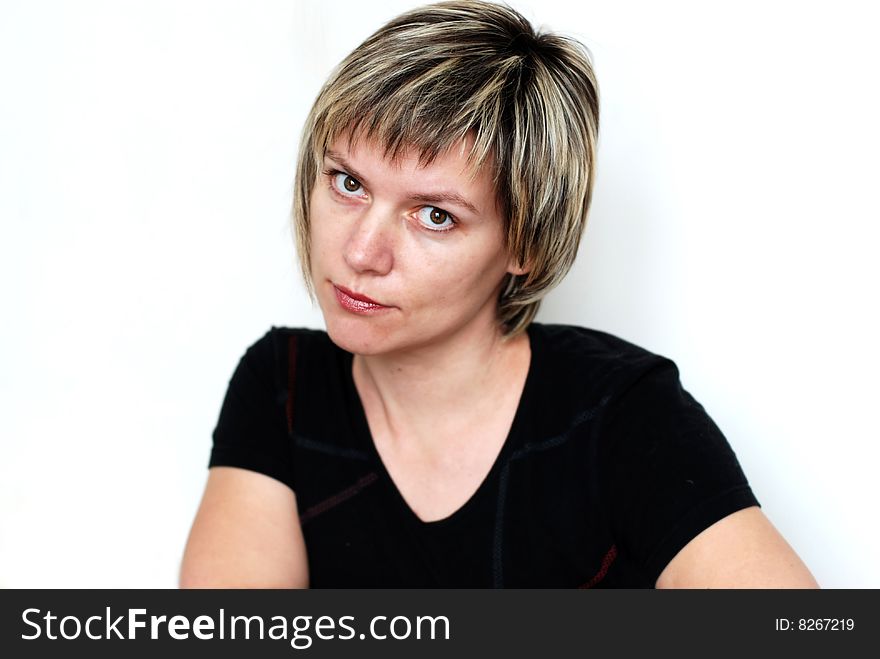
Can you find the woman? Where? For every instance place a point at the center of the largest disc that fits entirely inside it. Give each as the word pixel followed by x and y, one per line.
pixel 434 436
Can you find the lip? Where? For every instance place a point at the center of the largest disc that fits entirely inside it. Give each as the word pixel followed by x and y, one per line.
pixel 356 303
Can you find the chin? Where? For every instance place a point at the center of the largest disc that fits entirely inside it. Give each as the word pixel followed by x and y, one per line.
pixel 357 336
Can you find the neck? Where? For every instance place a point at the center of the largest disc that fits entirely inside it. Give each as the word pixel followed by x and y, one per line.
pixel 420 397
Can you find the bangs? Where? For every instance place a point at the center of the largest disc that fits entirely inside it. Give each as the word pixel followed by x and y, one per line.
pixel 429 106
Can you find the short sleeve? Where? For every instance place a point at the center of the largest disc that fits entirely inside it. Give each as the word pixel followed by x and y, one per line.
pixel 670 472
pixel 251 432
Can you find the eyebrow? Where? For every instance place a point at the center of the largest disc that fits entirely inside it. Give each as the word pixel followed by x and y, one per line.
pixel 440 196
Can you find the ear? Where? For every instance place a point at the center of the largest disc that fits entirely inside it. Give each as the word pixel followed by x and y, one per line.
pixel 515 268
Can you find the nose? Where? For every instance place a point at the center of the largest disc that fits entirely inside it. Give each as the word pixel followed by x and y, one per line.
pixel 369 247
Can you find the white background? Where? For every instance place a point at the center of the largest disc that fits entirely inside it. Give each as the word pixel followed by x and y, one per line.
pixel 146 166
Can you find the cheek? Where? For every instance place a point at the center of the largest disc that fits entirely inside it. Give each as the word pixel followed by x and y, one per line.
pixel 321 235
pixel 482 267
pixel 467 276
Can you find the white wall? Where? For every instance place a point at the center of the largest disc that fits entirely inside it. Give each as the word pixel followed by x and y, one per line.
pixel 146 160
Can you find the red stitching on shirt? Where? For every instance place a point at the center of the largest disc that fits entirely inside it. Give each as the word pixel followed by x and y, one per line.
pixel 606 563
pixel 291 380
pixel 337 498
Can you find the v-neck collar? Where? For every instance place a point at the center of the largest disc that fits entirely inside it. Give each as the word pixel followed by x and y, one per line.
pixel 364 438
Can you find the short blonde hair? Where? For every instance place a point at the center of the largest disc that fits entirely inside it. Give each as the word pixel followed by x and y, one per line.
pixel 439 73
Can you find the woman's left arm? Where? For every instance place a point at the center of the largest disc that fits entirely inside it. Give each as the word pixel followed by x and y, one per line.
pixel 742 550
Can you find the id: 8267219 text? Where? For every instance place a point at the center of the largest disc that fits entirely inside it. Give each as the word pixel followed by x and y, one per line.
pixel 815 624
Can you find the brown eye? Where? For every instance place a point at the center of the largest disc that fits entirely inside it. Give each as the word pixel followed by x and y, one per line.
pixel 343 183
pixel 439 216
pixel 351 184
pixel 435 219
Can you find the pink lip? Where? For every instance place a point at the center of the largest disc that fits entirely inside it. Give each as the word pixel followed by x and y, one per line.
pixel 356 303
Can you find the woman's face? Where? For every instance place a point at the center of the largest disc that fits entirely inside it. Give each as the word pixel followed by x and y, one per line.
pixel 425 243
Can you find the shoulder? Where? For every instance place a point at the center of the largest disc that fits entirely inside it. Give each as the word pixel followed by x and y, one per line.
pixel 594 367
pixel 586 346
pixel 256 417
pixel 269 362
pixel 635 394
pixel 279 344
pixel 281 336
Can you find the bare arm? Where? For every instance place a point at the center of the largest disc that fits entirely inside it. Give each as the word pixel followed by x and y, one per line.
pixel 743 550
pixel 246 534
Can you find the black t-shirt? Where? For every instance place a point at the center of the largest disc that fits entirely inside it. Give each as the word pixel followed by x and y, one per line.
pixel 609 469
